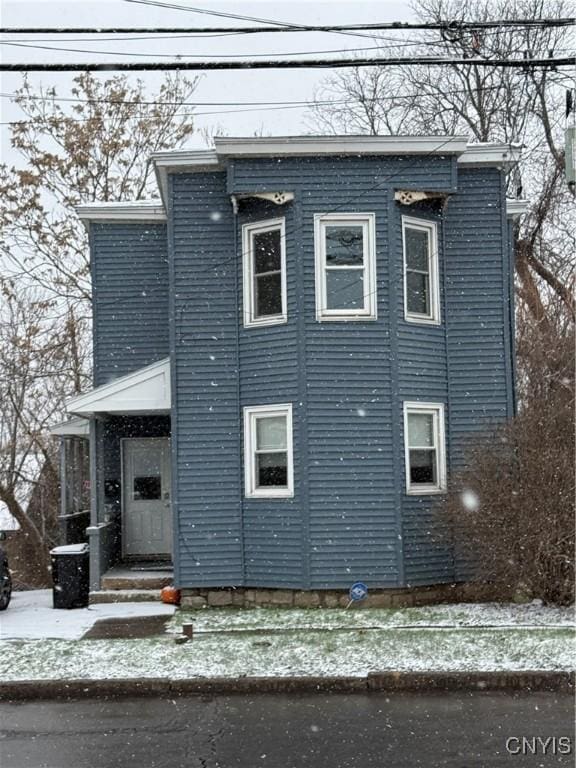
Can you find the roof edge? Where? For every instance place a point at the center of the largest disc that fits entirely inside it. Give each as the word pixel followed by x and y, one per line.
pixel 516 208
pixel 338 145
pixel 142 210
pixel 494 154
pixel 85 404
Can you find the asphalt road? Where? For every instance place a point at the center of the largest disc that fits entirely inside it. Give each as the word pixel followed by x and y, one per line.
pixel 288 731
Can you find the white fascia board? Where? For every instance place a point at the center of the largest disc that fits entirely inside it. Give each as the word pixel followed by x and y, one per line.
pixel 340 145
pixel 516 208
pixel 482 155
pixel 77 427
pixel 140 210
pixel 144 391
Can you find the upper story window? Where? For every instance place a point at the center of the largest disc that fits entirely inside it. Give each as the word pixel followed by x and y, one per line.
pixel 268 463
pixel 345 266
pixel 424 446
pixel 421 283
pixel 264 272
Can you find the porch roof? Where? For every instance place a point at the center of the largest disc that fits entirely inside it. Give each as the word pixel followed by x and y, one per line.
pixel 144 391
pixel 75 427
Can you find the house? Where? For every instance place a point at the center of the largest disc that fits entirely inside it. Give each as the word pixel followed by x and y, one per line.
pixel 290 347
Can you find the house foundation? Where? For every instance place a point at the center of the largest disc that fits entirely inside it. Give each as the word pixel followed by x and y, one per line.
pixel 379 598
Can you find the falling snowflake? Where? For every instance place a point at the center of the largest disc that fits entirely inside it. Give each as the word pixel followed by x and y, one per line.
pixel 470 500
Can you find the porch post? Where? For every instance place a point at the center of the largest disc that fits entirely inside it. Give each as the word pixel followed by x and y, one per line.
pixel 93 530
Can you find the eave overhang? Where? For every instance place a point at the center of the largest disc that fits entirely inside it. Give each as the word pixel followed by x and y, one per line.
pixel 141 210
pixel 516 208
pixel 75 427
pixel 490 155
pixel 339 145
pixel 142 392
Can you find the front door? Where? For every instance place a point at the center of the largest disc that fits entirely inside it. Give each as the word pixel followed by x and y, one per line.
pixel 147 518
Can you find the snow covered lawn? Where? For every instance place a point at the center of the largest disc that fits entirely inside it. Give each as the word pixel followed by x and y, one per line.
pixel 283 642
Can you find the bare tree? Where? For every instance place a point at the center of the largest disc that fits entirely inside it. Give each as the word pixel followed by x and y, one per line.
pixel 34 372
pixel 95 149
pixel 510 105
pixel 92 145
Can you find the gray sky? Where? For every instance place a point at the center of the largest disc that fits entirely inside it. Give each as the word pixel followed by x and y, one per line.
pixel 235 86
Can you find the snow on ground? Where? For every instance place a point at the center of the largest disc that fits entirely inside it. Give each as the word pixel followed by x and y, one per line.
pixel 284 642
pixel 295 654
pixel 456 615
pixel 30 616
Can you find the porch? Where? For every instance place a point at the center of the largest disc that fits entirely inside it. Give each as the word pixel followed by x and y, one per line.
pixel 125 480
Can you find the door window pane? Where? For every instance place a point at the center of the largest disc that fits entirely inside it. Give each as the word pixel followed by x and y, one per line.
pixel 272 470
pixel 147 473
pixel 268 289
pixel 344 289
pixel 147 488
pixel 344 246
pixel 267 254
pixel 271 433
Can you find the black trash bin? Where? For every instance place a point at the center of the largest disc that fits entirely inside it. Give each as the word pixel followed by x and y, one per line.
pixel 70 576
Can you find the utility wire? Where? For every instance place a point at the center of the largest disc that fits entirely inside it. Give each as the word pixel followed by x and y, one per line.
pixel 262 107
pixel 200 55
pixel 454 25
pixel 316 102
pixel 528 63
pixel 397 26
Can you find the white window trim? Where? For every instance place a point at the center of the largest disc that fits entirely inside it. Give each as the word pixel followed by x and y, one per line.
pixel 437 411
pixel 432 228
pixel 369 312
pixel 251 414
pixel 248 231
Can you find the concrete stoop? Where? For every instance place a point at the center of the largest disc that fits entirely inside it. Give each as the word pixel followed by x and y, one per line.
pixel 125 596
pixel 132 583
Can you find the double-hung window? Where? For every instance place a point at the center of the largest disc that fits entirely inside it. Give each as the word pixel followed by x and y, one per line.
pixel 424 446
pixel 421 283
pixel 268 463
pixel 264 268
pixel 345 266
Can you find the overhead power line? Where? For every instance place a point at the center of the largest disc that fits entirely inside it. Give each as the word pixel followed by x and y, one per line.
pixel 290 103
pixel 527 63
pixel 238 107
pixel 397 26
pixel 197 55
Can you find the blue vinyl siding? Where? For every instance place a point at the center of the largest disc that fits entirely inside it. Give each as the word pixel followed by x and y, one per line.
pixel 350 517
pixel 205 403
pixel 478 308
pixel 129 297
pixel 269 374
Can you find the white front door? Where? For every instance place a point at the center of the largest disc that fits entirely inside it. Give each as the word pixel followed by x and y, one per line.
pixel 147 518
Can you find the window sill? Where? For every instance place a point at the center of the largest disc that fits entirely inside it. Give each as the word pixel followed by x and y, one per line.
pixel 415 320
pixel 345 318
pixel 283 494
pixel 264 323
pixel 422 491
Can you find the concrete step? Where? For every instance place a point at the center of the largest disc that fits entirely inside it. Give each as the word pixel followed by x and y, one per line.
pixel 125 596
pixel 125 577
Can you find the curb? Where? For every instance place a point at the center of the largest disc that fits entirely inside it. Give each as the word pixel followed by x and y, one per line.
pixel 413 682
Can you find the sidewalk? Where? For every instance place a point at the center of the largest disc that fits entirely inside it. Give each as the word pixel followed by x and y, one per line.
pixel 474 642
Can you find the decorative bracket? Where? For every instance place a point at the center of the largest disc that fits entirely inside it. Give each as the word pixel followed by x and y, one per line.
pixel 409 196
